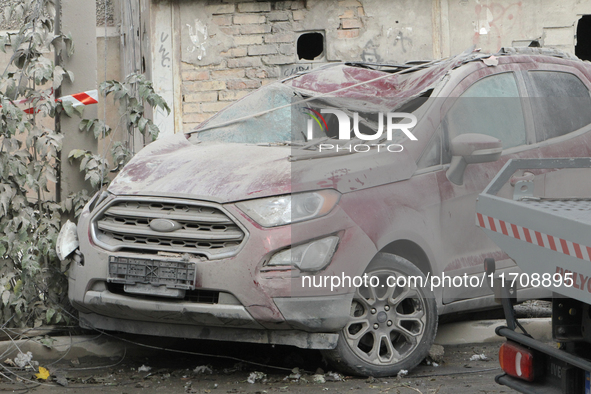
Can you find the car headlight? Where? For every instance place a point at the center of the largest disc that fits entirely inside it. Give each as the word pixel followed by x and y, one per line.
pixel 280 210
pixel 312 256
pixel 67 240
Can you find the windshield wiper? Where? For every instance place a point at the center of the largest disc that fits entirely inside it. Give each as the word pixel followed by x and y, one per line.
pixel 281 143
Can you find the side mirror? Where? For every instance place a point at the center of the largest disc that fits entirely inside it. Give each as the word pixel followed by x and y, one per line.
pixel 469 149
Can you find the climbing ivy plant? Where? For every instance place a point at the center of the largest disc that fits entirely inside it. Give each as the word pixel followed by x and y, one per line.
pixel 132 96
pixel 33 282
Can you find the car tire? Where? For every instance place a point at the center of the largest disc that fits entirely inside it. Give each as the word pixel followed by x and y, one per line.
pixel 390 328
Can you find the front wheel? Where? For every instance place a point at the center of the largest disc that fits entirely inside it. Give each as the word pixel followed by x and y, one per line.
pixel 392 324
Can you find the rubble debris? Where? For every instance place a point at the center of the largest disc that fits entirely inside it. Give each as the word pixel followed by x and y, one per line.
pixel 61 380
pixel 431 363
pixel 436 353
pixel 237 367
pixel 22 359
pixel 203 369
pixel 294 376
pixel 402 373
pixel 479 357
pixel 256 377
pixel 318 378
pixel 144 368
pixel 491 61
pixel 333 377
pixel 371 380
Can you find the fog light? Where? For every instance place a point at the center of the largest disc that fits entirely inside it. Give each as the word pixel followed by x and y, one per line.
pixel 517 361
pixel 312 256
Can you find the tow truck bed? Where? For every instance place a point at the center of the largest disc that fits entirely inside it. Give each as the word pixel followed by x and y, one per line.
pixel 547 238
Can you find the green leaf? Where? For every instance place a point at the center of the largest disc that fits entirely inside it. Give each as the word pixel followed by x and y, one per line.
pixel 94 178
pixel 49 314
pixel 5 297
pixel 153 130
pixel 84 124
pixel 8 13
pixel 48 341
pixel 76 153
pixel 50 174
pixel 83 162
pixel 79 109
pixel 58 76
pixel 50 9
pixel 18 286
pixel 68 108
pixel 69 44
pixel 142 124
pixel 68 204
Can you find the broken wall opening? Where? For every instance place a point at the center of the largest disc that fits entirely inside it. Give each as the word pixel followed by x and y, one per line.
pixel 310 46
pixel 583 47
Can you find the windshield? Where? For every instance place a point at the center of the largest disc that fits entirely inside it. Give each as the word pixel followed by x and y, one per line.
pixel 279 114
pixel 270 127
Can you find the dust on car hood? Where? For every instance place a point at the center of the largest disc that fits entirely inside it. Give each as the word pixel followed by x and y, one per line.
pixel 227 172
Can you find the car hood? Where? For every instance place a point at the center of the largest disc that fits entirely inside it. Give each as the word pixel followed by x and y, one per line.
pixel 227 172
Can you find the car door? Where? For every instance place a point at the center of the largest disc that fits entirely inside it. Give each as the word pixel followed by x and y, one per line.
pixel 535 112
pixel 490 101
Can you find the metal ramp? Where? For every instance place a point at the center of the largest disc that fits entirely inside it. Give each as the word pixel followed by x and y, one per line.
pixel 542 235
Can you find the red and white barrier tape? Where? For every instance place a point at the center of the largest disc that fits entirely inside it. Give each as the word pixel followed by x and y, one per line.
pixel 534 237
pixel 78 99
pixel 84 98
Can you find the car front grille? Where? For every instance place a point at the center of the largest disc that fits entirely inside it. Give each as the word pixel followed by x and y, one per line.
pixel 204 228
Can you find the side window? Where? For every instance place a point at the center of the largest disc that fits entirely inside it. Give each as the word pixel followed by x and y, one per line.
pixel 560 103
pixel 490 106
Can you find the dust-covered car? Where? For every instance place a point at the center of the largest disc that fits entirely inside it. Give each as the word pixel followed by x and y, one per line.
pixel 333 210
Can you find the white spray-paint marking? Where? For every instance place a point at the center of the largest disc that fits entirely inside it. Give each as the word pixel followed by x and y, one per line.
pixel 198 38
pixel 483 26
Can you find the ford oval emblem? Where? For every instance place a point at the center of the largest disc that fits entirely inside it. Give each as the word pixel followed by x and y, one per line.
pixel 164 225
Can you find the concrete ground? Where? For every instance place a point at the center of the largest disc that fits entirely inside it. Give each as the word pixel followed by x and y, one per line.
pixel 180 373
pixel 103 363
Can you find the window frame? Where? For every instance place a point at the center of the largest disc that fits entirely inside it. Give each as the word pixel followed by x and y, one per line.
pixel 557 68
pixel 476 76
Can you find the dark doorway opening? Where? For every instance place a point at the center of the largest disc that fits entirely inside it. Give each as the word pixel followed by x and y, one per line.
pixel 310 46
pixel 583 47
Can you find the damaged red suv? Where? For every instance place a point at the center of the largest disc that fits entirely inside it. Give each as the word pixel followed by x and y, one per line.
pixel 306 214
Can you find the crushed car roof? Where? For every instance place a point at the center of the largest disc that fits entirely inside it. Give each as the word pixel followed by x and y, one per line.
pixel 396 82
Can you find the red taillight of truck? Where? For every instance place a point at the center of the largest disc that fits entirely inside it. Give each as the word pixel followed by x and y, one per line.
pixel 517 361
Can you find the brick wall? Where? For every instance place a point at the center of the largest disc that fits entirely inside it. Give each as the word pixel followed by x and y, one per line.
pixel 260 37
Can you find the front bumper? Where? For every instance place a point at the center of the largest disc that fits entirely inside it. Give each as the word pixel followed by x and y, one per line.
pixel 252 296
pixel 301 339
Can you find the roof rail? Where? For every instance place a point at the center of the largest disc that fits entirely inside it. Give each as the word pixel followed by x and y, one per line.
pixel 536 51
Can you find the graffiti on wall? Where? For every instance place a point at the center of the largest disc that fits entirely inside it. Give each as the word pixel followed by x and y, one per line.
pixel 165 59
pixel 494 21
pixel 402 39
pixel 370 54
pixel 198 36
